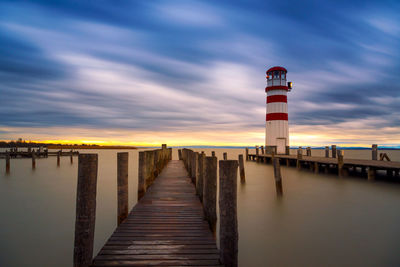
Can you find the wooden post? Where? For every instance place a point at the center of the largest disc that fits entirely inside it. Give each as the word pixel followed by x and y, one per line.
pixel 247 153
pixel 262 150
pixel 122 181
pixel 371 173
pixel 180 154
pixel 210 192
pixel 141 175
pixel 316 167
pixel 327 152
pixel 164 146
pixel 287 150
pixel 189 162
pixel 33 160
pixel 71 159
pixel 308 151
pixel 374 152
pixel 241 169
pixel 278 177
pixel 333 151
pixel 228 212
pixel 200 177
pixel 299 157
pixel 257 154
pixel 225 156
pixel 195 156
pixel 85 209
pixel 340 163
pixel 213 153
pixel 58 157
pixel 8 162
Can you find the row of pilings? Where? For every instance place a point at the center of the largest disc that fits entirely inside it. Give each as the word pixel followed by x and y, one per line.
pixel 203 173
pixel 34 155
pixel 151 163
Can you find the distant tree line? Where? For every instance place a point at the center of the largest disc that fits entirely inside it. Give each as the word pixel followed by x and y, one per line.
pixel 23 143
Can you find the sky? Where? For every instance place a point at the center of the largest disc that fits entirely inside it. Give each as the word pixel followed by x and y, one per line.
pixel 193 72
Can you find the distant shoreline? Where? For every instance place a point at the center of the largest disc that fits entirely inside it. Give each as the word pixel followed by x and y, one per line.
pixel 88 147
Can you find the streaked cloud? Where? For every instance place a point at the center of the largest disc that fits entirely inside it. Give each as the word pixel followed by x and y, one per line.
pixel 194 71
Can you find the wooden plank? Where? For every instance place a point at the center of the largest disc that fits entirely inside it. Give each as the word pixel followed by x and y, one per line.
pixel 105 263
pixel 166 227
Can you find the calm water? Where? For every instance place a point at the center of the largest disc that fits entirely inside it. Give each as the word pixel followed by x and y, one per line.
pixel 320 221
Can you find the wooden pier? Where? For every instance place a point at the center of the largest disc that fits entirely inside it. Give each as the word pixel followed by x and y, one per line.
pixel 342 166
pixel 174 221
pixel 166 227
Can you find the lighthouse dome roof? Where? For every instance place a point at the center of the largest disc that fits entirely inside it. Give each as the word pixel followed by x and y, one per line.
pixel 277 68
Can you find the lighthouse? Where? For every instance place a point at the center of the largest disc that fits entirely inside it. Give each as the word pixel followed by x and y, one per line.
pixel 276 127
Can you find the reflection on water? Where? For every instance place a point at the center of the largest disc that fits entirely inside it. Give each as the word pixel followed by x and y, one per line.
pixel 320 221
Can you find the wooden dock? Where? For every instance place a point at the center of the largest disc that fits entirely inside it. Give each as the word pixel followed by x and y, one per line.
pixel 328 164
pixel 165 228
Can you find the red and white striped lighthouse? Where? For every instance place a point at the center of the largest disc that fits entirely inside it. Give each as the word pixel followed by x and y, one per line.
pixel 277 128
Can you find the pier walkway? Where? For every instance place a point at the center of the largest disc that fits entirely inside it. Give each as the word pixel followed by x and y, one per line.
pixel 165 228
pixel 344 168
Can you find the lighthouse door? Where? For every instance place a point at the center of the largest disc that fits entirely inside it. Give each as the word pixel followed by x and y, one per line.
pixel 281 145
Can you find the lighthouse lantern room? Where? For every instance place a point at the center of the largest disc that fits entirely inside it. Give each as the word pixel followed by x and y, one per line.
pixel 277 128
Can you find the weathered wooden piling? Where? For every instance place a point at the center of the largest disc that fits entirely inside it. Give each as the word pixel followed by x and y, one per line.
pixel 225 156
pixel 8 162
pixel 180 154
pixel 340 164
pixel 33 160
pixel 299 157
pixel 247 153
pixel 287 150
pixel 257 154
pixel 150 168
pixel 85 209
pixel 333 151
pixel 374 152
pixel 241 169
pixel 58 158
pixel 316 167
pixel 308 151
pixel 327 152
pixel 213 153
pixel 122 181
pixel 371 174
pixel 71 157
pixel 141 175
pixel 200 175
pixel 210 192
pixel 228 212
pixel 195 156
pixel 262 150
pixel 278 177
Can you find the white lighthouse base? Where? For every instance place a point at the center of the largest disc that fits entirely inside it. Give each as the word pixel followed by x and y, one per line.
pixel 277 136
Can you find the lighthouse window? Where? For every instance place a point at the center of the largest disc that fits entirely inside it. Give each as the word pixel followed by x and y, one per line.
pixel 270 76
pixel 283 75
pixel 276 74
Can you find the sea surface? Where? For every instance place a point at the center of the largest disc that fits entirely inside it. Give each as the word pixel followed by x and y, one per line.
pixel 321 220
